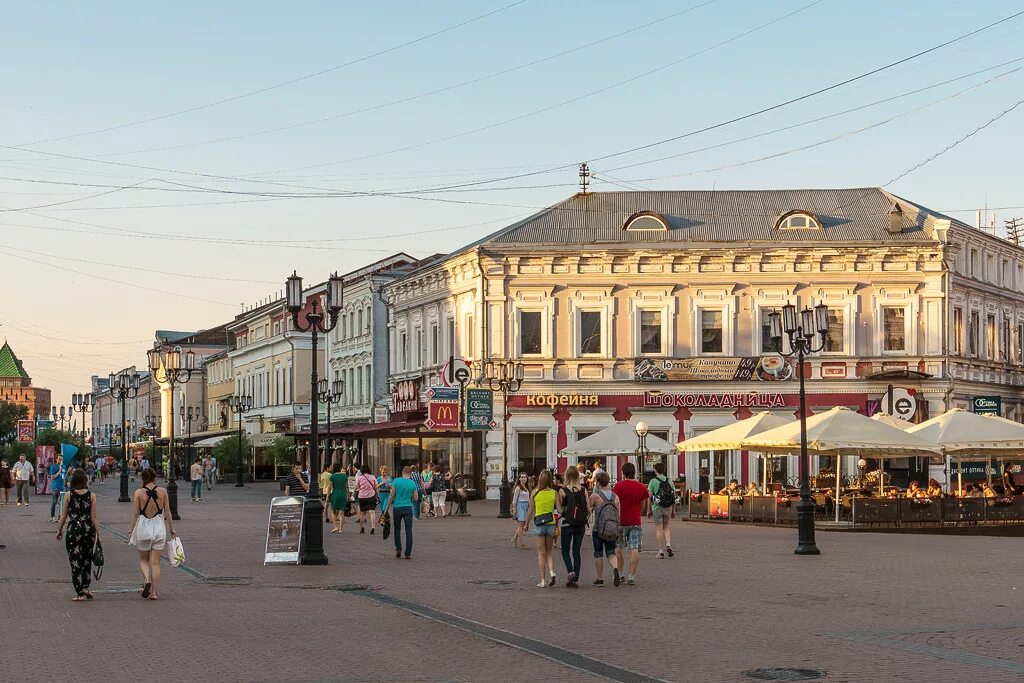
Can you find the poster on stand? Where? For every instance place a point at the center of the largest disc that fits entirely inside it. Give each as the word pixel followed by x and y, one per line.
pixel 284 530
pixel 718 506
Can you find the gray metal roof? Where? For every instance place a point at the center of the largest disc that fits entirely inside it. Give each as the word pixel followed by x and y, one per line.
pixel 695 216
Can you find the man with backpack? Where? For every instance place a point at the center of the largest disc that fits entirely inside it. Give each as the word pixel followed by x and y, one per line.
pixel 633 500
pixel 574 508
pixel 605 505
pixel 663 495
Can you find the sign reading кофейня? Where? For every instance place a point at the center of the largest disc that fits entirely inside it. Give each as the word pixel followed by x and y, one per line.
pixel 767 368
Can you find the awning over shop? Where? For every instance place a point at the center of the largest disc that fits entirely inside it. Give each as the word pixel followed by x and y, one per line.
pixel 211 441
pixel 366 429
pixel 619 439
pixel 263 440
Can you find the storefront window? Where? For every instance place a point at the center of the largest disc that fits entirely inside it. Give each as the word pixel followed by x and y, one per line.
pixel 444 451
pixel 529 332
pixel 532 451
pixel 650 331
pixel 711 331
pixel 894 328
pixel 648 465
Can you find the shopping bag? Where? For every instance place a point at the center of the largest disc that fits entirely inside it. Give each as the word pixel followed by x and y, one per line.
pixel 175 552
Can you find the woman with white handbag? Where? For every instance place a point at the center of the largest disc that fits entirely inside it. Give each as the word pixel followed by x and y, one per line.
pixel 151 521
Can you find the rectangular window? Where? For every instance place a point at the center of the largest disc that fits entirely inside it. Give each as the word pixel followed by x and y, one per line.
pixel 973 330
pixel 532 452
pixel 470 334
pixel 711 331
pixel 768 345
pixel 590 333
pixel 529 333
pixel 894 328
pixel 835 342
pixel 451 336
pixel 1004 346
pixel 421 351
pixel 958 331
pixel 1020 343
pixel 650 332
pixel 435 338
pixel 974 263
pixel 404 350
pixel 990 336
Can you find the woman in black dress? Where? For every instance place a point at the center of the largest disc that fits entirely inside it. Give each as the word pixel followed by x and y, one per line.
pixel 83 523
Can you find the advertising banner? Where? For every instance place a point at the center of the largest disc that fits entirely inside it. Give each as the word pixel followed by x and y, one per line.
pixel 450 394
pixel 770 368
pixel 442 415
pixel 479 409
pixel 26 431
pixel 718 506
pixel 988 405
pixel 45 456
pixel 284 530
pixel 406 396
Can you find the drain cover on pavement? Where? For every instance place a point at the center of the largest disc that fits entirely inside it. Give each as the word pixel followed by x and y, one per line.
pixel 784 674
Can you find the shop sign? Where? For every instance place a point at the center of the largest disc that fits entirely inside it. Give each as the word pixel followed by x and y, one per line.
pixel 972 470
pixel 441 394
pixel 553 400
pixel 751 400
pixel 26 431
pixel 479 409
pixel 44 424
pixel 899 403
pixel 770 368
pixel 284 530
pixel 456 372
pixel 406 396
pixel 988 405
pixel 380 414
pixel 442 415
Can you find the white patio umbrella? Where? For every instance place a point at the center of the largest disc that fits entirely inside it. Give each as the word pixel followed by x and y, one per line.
pixel 843 431
pixel 958 432
pixel 886 418
pixel 731 436
pixel 619 439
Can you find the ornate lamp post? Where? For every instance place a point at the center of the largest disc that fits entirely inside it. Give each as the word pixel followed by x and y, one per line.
pixel 330 393
pixel 317 321
pixel 641 445
pixel 124 385
pixel 239 405
pixel 82 403
pixel 61 416
pixel 190 415
pixel 166 366
pixel 506 377
pixel 801 334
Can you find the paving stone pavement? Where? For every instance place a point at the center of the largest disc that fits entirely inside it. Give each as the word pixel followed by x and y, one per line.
pixel 872 607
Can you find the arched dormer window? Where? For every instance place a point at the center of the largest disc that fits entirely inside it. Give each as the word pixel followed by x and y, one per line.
pixel 646 221
pixel 798 220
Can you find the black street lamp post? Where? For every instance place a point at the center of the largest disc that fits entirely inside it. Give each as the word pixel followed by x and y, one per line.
pixel 82 403
pixel 64 414
pixel 506 377
pixel 124 385
pixel 190 415
pixel 641 446
pixel 317 321
pixel 167 364
pixel 801 334
pixel 239 405
pixel 330 393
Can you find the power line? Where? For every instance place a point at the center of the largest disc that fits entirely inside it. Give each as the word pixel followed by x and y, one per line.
pixel 282 84
pixel 75 341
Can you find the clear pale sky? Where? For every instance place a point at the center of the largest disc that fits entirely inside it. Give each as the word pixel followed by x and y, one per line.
pixel 70 68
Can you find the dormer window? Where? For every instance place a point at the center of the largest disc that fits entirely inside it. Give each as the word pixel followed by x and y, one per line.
pixel 646 221
pixel 798 220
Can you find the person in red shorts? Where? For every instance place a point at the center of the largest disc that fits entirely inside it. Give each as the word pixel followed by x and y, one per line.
pixel 633 499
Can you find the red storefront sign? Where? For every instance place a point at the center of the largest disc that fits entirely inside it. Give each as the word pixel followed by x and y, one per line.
pixel 750 400
pixel 406 396
pixel 443 416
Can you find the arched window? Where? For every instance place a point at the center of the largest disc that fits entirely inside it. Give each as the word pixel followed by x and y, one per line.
pixel 646 221
pixel 798 220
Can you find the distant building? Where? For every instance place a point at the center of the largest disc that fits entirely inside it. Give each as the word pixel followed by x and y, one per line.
pixel 16 385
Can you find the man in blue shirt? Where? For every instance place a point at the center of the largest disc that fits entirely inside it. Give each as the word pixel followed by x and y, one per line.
pixel 403 498
pixel 56 486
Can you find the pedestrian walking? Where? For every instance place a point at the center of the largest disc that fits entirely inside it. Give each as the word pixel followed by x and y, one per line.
pixel 151 522
pixel 56 487
pixel 195 476
pixel 417 478
pixel 404 497
pixel 90 470
pixel 325 490
pixel 633 500
pixel 428 479
pixel 542 514
pixel 339 500
pixel 438 491
pixel 606 507
pixel 663 508
pixel 366 493
pixel 520 507
pixel 574 506
pixel 6 482
pixel 297 483
pixel 80 514
pixel 383 487
pixel 208 472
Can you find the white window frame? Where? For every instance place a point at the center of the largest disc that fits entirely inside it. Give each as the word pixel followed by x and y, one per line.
pixel 909 338
pixel 661 301
pixel 532 300
pixel 592 301
pixel 846 301
pixel 517 334
pixel 713 300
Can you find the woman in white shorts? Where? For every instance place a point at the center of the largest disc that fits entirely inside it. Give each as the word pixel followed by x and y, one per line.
pixel 439 491
pixel 151 520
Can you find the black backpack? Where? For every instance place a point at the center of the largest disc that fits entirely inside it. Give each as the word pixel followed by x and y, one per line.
pixel 574 507
pixel 665 496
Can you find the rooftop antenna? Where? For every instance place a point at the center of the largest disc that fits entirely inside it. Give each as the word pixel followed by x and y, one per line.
pixel 584 177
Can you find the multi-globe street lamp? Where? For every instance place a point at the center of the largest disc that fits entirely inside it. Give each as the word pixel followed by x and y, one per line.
pixel 329 394
pixel 801 334
pixel 61 416
pixel 505 377
pixel 167 368
pixel 82 403
pixel 239 405
pixel 124 385
pixel 190 415
pixel 317 321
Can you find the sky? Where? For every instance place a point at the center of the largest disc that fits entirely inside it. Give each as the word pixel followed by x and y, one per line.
pixel 163 165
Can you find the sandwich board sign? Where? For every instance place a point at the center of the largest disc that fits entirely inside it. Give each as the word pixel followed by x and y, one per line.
pixel 284 530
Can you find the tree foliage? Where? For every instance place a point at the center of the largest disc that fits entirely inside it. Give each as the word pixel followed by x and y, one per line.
pixel 10 413
pixel 226 452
